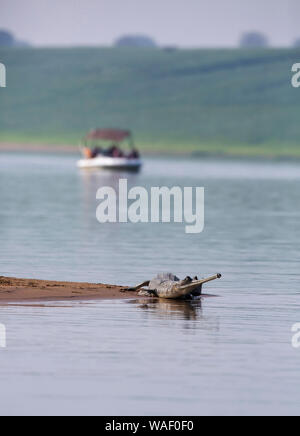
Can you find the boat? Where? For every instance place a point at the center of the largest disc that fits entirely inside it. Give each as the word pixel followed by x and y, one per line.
pixel 111 156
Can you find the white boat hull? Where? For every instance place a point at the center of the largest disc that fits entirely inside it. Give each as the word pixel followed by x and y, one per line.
pixel 111 163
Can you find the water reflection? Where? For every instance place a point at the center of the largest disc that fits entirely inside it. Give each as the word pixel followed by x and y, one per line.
pixel 92 180
pixel 175 310
pixel 170 309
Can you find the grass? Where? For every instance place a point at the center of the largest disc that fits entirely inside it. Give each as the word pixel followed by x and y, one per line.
pixel 219 102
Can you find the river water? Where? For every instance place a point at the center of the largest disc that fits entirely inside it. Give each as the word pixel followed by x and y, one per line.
pixel 229 354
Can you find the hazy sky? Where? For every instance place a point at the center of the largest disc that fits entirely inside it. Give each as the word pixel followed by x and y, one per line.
pixel 187 23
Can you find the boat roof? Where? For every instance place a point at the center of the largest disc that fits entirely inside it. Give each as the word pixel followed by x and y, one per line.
pixel 116 135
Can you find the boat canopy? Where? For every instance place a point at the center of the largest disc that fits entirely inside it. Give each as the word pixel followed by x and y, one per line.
pixel 115 135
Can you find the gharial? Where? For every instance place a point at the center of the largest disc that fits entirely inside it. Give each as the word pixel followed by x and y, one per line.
pixel 170 286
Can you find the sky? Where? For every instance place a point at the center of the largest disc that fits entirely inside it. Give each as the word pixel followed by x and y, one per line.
pixel 185 23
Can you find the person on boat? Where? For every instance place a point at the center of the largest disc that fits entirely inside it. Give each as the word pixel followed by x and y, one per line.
pixel 114 151
pixel 110 151
pixel 117 152
pixel 96 151
pixel 87 152
pixel 134 154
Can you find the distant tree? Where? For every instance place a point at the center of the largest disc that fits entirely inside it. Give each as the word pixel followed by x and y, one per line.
pixel 6 39
pixel 22 44
pixel 297 43
pixel 170 48
pixel 254 40
pixel 135 41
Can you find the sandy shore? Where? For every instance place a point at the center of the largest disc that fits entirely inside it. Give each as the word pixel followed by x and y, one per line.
pixel 13 289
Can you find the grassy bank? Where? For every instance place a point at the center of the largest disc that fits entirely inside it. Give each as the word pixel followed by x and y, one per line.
pixel 218 102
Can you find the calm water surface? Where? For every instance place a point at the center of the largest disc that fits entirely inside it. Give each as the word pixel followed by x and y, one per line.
pixel 232 354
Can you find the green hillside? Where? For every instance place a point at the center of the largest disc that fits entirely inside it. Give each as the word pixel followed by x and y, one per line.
pixel 215 101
